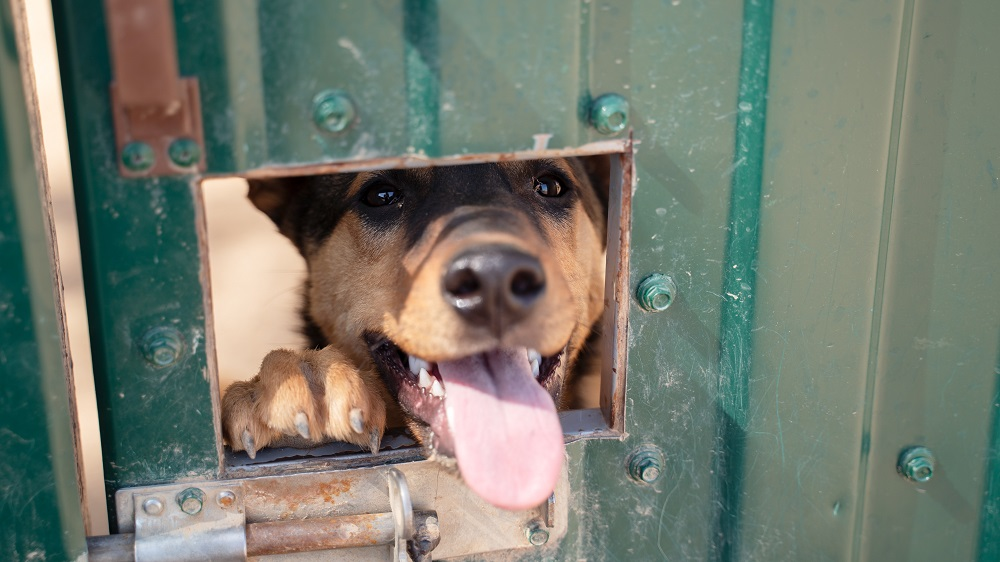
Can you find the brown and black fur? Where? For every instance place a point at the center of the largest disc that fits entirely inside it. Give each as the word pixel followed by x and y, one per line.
pixel 374 288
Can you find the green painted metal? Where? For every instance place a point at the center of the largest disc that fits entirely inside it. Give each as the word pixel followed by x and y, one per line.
pixel 989 513
pixel 739 278
pixel 40 515
pixel 142 272
pixel 834 271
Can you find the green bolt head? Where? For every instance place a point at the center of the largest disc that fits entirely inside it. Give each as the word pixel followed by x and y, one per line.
pixel 645 464
pixel 184 152
pixel 656 292
pixel 537 536
pixel 609 114
pixel 138 156
pixel 191 500
pixel 916 464
pixel 333 111
pixel 162 346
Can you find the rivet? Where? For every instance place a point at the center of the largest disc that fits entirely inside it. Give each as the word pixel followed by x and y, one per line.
pixel 536 535
pixel 656 292
pixel 645 464
pixel 184 152
pixel 162 346
pixel 152 506
pixel 225 499
pixel 916 464
pixel 609 114
pixel 333 111
pixel 138 156
pixel 191 500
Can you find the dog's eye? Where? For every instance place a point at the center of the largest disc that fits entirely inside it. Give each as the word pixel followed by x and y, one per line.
pixel 548 186
pixel 380 195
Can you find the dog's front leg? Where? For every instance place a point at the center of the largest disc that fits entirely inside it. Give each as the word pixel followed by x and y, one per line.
pixel 303 398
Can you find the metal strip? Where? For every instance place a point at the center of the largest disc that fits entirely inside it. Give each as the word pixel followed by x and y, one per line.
pixel 989 515
pixel 423 75
pixel 739 276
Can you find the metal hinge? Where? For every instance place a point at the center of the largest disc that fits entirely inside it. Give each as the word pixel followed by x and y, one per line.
pixel 156 112
pixel 207 521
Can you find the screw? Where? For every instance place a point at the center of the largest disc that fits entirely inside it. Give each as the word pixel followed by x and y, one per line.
pixel 191 500
pixel 916 464
pixel 138 156
pixel 656 292
pixel 537 536
pixel 645 464
pixel 162 346
pixel 153 506
pixel 333 111
pixel 184 152
pixel 609 114
pixel 225 499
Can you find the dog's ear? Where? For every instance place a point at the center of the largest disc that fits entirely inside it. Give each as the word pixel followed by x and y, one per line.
pixel 277 198
pixel 598 169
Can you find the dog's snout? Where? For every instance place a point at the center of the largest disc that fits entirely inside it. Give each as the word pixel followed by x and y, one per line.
pixel 494 286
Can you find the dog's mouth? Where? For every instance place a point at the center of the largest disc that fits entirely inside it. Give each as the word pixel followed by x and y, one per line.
pixel 491 412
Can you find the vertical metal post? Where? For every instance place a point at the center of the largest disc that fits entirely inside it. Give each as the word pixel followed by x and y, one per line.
pixel 739 276
pixel 40 514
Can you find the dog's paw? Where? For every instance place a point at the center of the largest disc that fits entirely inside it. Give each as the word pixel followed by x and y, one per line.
pixel 304 398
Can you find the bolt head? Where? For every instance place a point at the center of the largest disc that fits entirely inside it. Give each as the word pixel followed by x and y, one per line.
pixel 191 500
pixel 226 499
pixel 656 292
pixel 609 114
pixel 645 464
pixel 138 156
pixel 184 152
pixel 916 464
pixel 333 111
pixel 152 506
pixel 537 536
pixel 162 346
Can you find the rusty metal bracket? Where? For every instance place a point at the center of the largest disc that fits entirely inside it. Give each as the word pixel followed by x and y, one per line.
pixel 156 112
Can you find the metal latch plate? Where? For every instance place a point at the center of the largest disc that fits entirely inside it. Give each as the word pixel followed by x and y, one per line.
pixel 185 523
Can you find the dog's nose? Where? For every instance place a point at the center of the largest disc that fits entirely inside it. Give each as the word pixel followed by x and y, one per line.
pixel 494 286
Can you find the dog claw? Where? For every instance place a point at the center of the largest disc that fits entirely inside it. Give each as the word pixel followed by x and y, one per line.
pixel 248 444
pixel 302 424
pixel 357 420
pixel 374 440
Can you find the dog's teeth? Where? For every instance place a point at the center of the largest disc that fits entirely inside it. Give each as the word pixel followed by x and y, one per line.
pixel 533 355
pixel 437 389
pixel 534 367
pixel 425 379
pixel 416 364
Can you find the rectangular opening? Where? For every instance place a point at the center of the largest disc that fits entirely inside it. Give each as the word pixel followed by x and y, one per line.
pixel 258 270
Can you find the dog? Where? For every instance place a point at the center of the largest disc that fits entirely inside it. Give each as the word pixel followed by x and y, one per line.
pixel 455 300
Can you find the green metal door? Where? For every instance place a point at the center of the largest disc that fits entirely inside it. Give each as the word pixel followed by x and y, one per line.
pixel 816 178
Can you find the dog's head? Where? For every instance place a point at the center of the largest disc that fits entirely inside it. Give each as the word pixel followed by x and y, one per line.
pixel 471 288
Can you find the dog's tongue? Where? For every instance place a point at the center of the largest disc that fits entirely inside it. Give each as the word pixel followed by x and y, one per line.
pixel 507 436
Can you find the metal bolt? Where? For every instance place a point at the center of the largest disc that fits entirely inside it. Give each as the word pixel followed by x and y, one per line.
pixel 609 114
pixel 138 156
pixel 333 111
pixel 184 152
pixel 656 292
pixel 153 506
pixel 537 536
pixel 645 464
pixel 162 346
pixel 191 500
pixel 225 499
pixel 916 464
